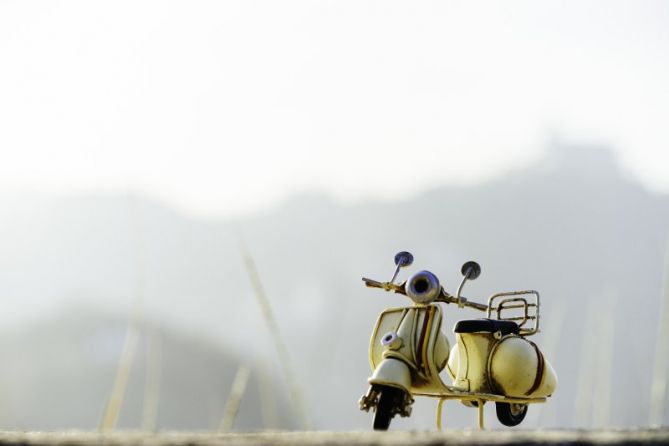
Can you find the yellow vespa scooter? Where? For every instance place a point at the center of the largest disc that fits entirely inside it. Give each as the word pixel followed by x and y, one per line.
pixel 492 359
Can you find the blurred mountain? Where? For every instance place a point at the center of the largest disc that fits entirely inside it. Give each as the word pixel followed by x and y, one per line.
pixel 58 374
pixel 572 226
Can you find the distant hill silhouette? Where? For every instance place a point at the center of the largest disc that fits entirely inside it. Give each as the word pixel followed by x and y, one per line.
pixel 59 374
pixel 572 226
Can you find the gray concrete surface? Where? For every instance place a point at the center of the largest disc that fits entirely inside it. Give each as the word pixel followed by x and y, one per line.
pixel 391 438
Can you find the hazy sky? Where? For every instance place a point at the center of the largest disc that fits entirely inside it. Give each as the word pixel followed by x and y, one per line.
pixel 225 107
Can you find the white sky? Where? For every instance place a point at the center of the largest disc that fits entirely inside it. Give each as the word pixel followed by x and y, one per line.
pixel 226 107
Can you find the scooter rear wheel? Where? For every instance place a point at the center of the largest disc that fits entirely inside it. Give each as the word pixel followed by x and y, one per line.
pixel 389 399
pixel 510 414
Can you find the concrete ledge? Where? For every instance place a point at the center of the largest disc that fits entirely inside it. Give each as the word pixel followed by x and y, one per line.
pixel 391 438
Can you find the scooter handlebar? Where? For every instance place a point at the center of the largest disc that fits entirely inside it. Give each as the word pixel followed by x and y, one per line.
pixel 443 297
pixel 463 302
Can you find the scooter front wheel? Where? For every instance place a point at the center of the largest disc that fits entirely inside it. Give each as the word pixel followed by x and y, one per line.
pixel 510 414
pixel 389 400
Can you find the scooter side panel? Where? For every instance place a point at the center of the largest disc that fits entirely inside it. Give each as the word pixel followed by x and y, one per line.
pixel 518 369
pixel 473 350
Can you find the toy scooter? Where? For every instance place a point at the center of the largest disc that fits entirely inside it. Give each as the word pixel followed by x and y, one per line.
pixel 492 359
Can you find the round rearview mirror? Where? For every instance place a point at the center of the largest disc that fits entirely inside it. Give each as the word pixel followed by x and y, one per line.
pixel 471 270
pixel 403 259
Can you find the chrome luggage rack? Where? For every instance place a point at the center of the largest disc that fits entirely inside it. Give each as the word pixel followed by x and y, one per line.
pixel 522 311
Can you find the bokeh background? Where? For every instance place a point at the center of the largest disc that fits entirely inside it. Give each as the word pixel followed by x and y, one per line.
pixel 143 145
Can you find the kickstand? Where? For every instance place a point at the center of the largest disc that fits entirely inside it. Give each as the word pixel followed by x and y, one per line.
pixel 481 414
pixel 440 405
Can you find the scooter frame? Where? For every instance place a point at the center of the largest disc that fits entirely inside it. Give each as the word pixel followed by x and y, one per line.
pixel 496 304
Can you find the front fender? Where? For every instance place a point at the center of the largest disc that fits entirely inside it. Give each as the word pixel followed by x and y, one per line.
pixel 392 372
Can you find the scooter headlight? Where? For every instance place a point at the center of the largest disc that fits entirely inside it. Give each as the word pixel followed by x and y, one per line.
pixel 423 287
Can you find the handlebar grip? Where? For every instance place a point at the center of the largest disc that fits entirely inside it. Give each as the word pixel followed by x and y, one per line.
pixel 476 306
pixel 387 286
pixel 372 283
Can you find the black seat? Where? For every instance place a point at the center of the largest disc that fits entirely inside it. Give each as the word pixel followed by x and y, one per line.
pixel 486 325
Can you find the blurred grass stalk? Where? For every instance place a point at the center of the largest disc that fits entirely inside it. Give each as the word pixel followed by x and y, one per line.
pixel 111 414
pixel 592 406
pixel 282 350
pixel 586 375
pixel 152 382
pixel 658 389
pixel 270 417
pixel 601 410
pixel 115 403
pixel 236 394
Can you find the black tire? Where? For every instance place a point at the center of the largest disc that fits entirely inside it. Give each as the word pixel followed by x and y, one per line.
pixel 511 414
pixel 389 399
